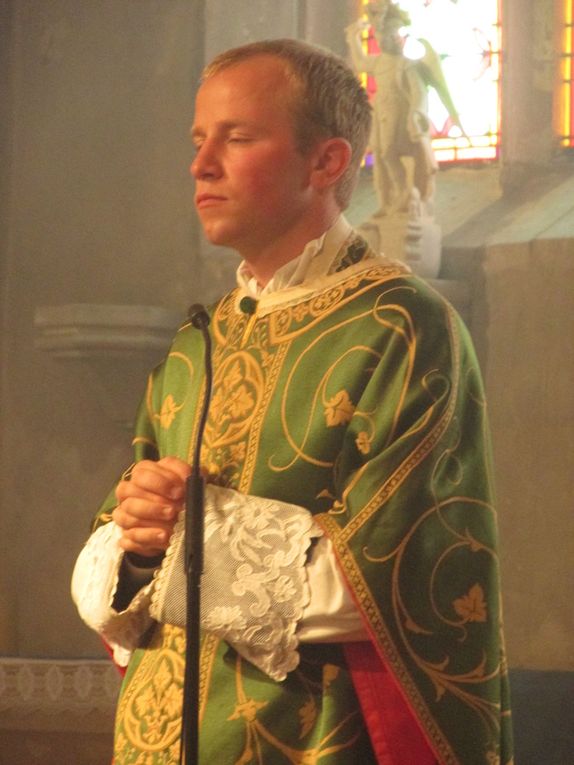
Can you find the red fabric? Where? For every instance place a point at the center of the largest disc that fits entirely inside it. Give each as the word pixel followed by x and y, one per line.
pixel 121 670
pixel 395 734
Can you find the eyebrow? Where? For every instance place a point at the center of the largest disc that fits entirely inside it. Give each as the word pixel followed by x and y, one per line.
pixel 197 131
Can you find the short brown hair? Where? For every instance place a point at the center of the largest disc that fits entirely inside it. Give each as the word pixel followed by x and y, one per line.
pixel 329 100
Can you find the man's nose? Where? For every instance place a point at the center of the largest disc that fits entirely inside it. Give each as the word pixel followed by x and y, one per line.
pixel 206 163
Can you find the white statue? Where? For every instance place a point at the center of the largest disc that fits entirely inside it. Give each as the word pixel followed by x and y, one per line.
pixel 404 165
pixel 401 127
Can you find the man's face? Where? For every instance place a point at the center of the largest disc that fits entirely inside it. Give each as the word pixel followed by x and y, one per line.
pixel 252 182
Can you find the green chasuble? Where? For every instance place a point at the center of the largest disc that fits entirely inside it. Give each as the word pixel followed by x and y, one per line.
pixel 357 396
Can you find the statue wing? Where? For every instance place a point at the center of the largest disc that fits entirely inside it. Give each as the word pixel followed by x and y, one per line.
pixel 433 76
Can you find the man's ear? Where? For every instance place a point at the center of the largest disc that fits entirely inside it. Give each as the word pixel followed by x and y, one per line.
pixel 331 157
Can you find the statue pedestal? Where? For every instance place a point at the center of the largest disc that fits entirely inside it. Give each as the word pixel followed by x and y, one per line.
pixel 415 240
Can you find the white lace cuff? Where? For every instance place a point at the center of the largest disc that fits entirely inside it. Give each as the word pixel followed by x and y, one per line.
pixel 94 585
pixel 254 586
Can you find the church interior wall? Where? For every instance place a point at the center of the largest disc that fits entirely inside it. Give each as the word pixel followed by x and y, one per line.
pixel 96 208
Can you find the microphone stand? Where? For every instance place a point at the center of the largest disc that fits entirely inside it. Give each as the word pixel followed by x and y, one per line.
pixel 194 511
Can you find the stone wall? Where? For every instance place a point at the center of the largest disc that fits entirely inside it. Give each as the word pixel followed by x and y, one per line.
pixel 99 210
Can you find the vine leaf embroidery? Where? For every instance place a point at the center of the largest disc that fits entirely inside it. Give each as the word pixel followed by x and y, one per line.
pixel 414 627
pixel 338 409
pixel 363 442
pixel 308 716
pixel 247 710
pixel 168 411
pixel 330 674
pixel 472 606
pixel 240 402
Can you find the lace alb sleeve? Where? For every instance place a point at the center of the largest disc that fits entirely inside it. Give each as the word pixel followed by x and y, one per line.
pixel 94 584
pixel 254 586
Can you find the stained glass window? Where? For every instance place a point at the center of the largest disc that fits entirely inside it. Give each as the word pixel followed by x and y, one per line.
pixel 466 35
pixel 565 120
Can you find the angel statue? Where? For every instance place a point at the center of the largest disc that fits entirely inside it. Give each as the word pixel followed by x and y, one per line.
pixel 401 127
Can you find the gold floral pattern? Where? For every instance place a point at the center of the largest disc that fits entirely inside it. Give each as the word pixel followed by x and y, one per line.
pixel 472 606
pixel 153 715
pixel 238 384
pixel 149 712
pixel 168 411
pixel 338 409
pixel 363 442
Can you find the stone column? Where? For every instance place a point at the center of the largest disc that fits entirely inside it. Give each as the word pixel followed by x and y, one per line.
pixel 528 69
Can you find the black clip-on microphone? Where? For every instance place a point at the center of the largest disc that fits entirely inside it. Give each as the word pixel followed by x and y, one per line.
pixel 194 498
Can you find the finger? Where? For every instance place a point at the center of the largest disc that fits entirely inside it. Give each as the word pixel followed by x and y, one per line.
pixel 148 509
pixel 128 489
pixel 175 465
pixel 157 479
pixel 125 517
pixel 153 486
pixel 148 542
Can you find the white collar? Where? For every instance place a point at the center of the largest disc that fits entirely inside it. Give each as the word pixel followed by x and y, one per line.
pixel 304 265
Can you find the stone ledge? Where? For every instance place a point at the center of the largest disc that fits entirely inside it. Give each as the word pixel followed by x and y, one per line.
pixel 83 330
pixel 110 348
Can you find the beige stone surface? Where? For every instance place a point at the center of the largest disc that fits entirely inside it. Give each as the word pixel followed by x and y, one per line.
pixel 55 748
pixel 529 378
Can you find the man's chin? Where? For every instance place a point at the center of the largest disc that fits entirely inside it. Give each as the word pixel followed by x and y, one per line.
pixel 221 242
pixel 217 235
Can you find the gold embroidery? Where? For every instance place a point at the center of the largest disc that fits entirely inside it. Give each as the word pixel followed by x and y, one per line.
pixel 363 442
pixel 325 301
pixel 471 607
pixel 247 710
pixel 168 411
pixel 149 713
pixel 330 674
pixel 244 383
pixel 308 716
pixel 169 407
pixel 338 409
pixel 208 654
pixel 256 732
pixel 238 385
pixel 153 715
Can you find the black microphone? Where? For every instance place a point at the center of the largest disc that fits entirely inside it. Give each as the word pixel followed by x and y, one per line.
pixel 194 501
pixel 198 316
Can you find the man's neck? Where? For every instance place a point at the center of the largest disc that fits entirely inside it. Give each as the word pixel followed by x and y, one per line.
pixel 313 262
pixel 266 261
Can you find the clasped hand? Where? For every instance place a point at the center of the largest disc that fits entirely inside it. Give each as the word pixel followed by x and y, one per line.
pixel 149 505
